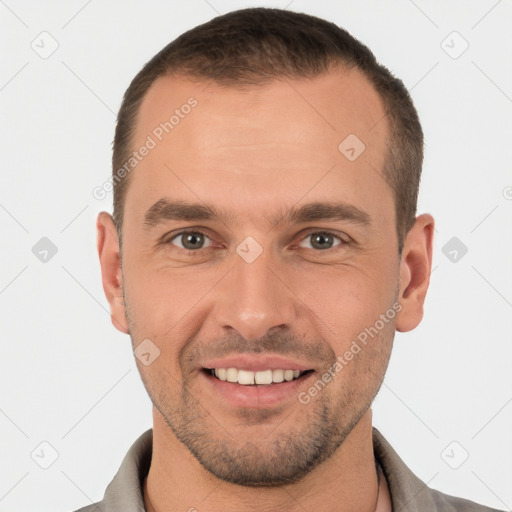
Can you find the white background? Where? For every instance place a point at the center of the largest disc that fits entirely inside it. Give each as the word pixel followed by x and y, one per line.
pixel 69 378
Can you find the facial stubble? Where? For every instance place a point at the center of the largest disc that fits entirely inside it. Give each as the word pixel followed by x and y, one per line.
pixel 286 454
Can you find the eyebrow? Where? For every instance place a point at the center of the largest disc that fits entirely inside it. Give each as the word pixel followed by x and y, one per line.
pixel 165 210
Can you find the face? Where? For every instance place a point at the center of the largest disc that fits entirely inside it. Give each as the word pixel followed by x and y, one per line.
pixel 254 248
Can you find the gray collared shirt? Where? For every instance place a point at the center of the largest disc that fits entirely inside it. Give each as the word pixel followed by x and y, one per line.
pixel 408 492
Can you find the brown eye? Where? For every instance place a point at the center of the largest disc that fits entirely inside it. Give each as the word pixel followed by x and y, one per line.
pixel 190 240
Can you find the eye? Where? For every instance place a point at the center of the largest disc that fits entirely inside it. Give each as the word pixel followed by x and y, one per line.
pixel 190 240
pixel 321 240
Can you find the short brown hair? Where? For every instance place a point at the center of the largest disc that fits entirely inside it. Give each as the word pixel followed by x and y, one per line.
pixel 254 46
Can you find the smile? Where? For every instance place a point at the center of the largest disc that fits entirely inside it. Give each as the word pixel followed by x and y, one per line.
pixel 250 378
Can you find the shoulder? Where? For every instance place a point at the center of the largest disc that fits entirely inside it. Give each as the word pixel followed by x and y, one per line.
pixel 449 503
pixel 408 492
pixel 90 508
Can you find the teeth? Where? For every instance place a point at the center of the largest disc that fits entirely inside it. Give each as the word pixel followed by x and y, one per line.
pixel 232 375
pixel 264 377
pixel 245 378
pixel 277 375
pixel 248 378
pixel 221 373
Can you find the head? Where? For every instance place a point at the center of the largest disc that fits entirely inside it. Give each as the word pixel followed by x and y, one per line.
pixel 269 223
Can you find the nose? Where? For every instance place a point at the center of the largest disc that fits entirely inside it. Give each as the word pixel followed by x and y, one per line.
pixel 254 298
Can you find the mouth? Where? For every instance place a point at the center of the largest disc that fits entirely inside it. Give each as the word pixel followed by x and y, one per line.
pixel 266 377
pixel 245 381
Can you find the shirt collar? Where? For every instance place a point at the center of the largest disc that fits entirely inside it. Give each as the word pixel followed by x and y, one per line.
pixel 408 492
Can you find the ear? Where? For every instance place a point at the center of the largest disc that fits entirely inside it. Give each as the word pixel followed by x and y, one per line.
pixel 111 272
pixel 415 268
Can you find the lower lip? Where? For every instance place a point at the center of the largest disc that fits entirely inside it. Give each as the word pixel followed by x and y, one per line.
pixel 256 396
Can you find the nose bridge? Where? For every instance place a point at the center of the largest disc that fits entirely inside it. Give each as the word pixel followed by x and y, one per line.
pixel 253 299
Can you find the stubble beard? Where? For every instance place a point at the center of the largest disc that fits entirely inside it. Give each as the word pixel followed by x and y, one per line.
pixel 281 458
pixel 284 457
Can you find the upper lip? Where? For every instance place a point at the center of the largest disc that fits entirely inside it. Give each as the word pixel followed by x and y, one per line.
pixel 255 364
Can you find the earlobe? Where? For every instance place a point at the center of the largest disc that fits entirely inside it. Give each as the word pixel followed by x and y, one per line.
pixel 111 272
pixel 415 268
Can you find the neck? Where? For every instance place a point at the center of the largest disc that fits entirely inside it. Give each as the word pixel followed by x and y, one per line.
pixel 346 482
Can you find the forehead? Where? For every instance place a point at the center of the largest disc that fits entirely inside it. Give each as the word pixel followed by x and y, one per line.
pixel 263 142
pixel 329 106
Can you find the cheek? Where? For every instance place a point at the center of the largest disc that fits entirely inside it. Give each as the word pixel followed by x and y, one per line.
pixel 167 306
pixel 161 299
pixel 348 300
pixel 362 358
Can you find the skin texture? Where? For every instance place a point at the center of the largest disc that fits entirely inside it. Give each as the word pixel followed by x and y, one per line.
pixel 256 153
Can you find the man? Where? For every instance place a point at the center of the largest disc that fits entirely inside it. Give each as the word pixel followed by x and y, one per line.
pixel 263 250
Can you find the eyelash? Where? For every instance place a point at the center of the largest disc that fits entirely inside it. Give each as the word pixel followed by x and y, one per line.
pixel 341 237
